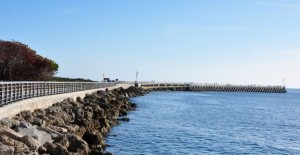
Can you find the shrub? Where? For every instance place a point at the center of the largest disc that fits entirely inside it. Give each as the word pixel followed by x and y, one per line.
pixel 18 62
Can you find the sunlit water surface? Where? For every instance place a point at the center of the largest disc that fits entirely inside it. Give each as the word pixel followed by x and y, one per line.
pixel 210 123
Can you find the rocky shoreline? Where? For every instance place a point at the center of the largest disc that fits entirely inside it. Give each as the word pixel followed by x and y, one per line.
pixel 68 127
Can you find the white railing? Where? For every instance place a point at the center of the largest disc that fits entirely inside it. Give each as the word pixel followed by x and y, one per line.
pixel 163 84
pixel 152 83
pixel 234 85
pixel 15 91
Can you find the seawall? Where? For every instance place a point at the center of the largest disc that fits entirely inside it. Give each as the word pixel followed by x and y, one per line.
pixel 46 101
pixel 70 126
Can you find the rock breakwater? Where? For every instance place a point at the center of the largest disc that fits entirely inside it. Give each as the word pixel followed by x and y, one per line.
pixel 168 89
pixel 68 127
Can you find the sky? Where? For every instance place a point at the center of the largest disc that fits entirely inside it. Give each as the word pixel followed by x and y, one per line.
pixel 212 41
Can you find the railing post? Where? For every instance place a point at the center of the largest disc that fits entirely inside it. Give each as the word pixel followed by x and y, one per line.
pixel 15 92
pixel 55 88
pixel 22 90
pixel 51 88
pixel 1 95
pixel 5 94
pixel 34 89
pixel 38 89
pixel 10 93
pixel 67 87
pixel 45 89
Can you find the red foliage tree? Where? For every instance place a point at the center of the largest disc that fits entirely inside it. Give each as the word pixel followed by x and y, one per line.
pixel 18 62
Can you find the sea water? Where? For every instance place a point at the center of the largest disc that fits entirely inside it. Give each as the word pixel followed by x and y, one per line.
pixel 210 123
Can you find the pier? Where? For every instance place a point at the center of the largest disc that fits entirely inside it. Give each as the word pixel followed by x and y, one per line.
pixel 214 87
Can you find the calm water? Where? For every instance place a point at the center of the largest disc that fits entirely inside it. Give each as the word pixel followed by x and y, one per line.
pixel 210 123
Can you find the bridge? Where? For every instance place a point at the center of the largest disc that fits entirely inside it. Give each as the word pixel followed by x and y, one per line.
pixel 213 87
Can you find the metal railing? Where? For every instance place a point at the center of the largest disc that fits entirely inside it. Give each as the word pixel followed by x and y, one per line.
pixel 151 84
pixel 15 91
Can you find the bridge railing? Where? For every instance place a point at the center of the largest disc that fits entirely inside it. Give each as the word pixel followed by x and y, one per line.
pixel 15 91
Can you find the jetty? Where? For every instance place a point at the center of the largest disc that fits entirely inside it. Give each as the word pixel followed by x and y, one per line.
pixel 25 95
pixel 74 117
pixel 198 87
pixel 17 91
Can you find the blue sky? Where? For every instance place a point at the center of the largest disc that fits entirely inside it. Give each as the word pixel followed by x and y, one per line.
pixel 216 41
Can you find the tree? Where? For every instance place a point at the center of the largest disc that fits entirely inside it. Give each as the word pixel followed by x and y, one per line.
pixel 18 62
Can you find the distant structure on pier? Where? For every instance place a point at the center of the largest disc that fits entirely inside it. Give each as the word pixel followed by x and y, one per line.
pixel 108 79
pixel 214 87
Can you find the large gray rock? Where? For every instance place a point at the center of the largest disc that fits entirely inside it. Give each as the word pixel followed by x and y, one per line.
pixel 8 122
pixel 93 137
pixel 24 124
pixel 6 150
pixel 27 129
pixel 50 131
pixel 88 114
pixel 68 100
pixel 38 112
pixel 54 120
pixel 73 128
pixel 79 113
pixel 58 129
pixel 18 146
pixel 38 121
pixel 55 149
pixel 26 115
pixel 63 111
pixel 98 112
pixel 32 143
pixel 63 141
pixel 77 144
pixel 80 100
pixel 76 104
pixel 11 134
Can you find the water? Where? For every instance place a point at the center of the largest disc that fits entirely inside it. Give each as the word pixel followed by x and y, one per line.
pixel 210 123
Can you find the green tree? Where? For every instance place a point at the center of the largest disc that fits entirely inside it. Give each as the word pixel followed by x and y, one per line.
pixel 18 62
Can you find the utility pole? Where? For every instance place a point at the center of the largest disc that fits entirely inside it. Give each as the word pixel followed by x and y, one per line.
pixel 136 76
pixel 136 84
